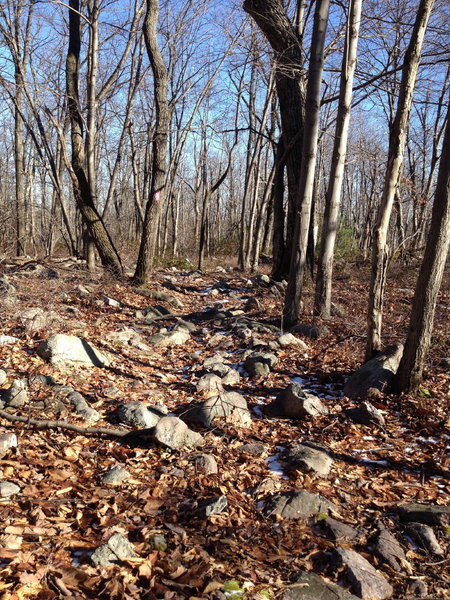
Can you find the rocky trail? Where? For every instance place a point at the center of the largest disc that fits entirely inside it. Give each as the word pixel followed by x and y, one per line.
pixel 173 441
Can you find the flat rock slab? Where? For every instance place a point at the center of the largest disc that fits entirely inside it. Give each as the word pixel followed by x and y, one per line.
pixel 429 514
pixel 389 551
pixel 174 433
pixel 298 505
pixel 375 375
pixel 309 458
pixel 310 586
pixel 116 549
pixel 338 531
pixel 68 350
pixel 294 403
pixel 367 582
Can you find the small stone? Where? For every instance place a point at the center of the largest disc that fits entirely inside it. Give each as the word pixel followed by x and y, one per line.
pixel 7 339
pixel 210 383
pixel 231 378
pixel 206 464
pixel 375 375
pixel 138 415
pixel 115 476
pixel 3 376
pixel 7 440
pixel 159 543
pixel 287 339
pixel 213 506
pixel 425 537
pixel 116 549
pixel 151 313
pixel 174 433
pixel 293 402
pixel 252 304
pixel 112 302
pixel 339 531
pixel 366 414
pixel 17 394
pixel 82 408
pixel 256 449
pixel 259 363
pixel 310 330
pixel 83 290
pixel 7 489
pixel 309 458
pixel 417 588
pixel 297 505
pixel 222 405
pixel 367 582
pixel 168 339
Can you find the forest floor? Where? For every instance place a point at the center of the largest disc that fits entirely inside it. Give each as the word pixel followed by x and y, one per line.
pixel 64 511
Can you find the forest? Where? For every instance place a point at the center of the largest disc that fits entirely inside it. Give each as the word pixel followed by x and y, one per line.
pixel 224 299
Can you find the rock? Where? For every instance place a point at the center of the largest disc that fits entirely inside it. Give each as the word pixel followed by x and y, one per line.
pixel 45 380
pixel 260 280
pixel 82 408
pixel 116 549
pixel 159 543
pixel 161 296
pixel 37 319
pixel 252 304
pixel 206 464
pixel 7 489
pixel 366 414
pixel 309 586
pixel 168 339
pixel 425 537
pixel 375 375
pixel 231 378
pixel 17 394
pixel 112 302
pixel 297 505
pixel 367 582
pixel 417 588
pixel 115 476
pixel 218 368
pixel 259 363
pixel 68 350
pixel 255 449
pixel 309 458
pixel 83 290
pixel 151 313
pixel 213 506
pixel 3 376
pixel 339 531
pixel 174 433
pixel 222 405
pixel 138 415
pixel 180 324
pixel 287 339
pixel 389 551
pixel 7 440
pixel 210 383
pixel 293 402
pixel 310 330
pixel 7 339
pixel 429 514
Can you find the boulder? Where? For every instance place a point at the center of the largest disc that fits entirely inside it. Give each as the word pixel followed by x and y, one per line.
pixel 366 414
pixel 174 433
pixel 297 504
pixel 222 405
pixel 310 330
pixel 367 582
pixel 259 363
pixel 287 339
pixel 16 395
pixel 70 351
pixel 138 415
pixel 309 586
pixel 375 375
pixel 309 457
pixel 339 531
pixel 293 402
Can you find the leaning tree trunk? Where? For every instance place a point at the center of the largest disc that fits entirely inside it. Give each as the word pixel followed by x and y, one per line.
pixel 380 251
pixel 292 303
pixel 409 373
pixel 322 304
pixel 82 191
pixel 154 204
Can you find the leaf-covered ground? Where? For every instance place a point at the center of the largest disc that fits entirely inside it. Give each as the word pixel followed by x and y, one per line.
pixel 63 512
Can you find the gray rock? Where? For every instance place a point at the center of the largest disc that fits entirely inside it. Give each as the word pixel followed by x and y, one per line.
pixel 206 464
pixel 429 514
pixel 222 405
pixel 161 296
pixel 367 582
pixel 6 340
pixel 297 505
pixel 261 280
pixel 218 368
pixel 174 433
pixel 7 489
pixel 82 408
pixel 425 537
pixel 255 449
pixel 375 375
pixel 417 588
pixel 168 339
pixel 213 506
pixel 339 531
pixel 310 586
pixel 17 394
pixel 7 440
pixel 210 383
pixel 309 458
pixel 185 325
pixel 115 476
pixel 3 376
pixel 252 304
pixel 366 414
pixel 259 363
pixel 231 378
pixel 287 339
pixel 389 551
pixel 83 290
pixel 310 330
pixel 45 380
pixel 116 549
pixel 68 350
pixel 293 402
pixel 138 415
pixel 151 313
pixel 112 302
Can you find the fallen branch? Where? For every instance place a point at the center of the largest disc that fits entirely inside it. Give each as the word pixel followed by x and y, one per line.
pixel 49 424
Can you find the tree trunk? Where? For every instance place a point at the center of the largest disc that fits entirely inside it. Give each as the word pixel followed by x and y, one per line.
pixel 154 204
pixel 82 191
pixel 397 137
pixel 409 373
pixel 322 303
pixel 292 304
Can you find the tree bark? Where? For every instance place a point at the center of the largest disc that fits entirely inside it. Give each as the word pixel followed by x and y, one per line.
pixel 292 303
pixel 154 204
pixel 397 137
pixel 322 304
pixel 409 374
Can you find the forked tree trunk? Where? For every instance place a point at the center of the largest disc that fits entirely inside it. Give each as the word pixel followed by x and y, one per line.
pixel 322 304
pixel 82 191
pixel 409 374
pixel 380 251
pixel 147 250
pixel 292 303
